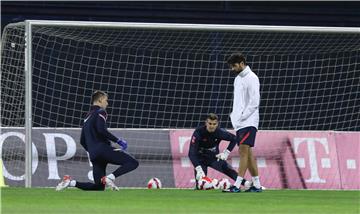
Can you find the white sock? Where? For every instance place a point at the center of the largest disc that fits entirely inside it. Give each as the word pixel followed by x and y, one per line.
pixel 111 176
pixel 256 181
pixel 72 183
pixel 238 181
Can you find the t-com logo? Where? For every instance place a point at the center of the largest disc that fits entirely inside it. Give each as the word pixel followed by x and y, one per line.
pixel 312 144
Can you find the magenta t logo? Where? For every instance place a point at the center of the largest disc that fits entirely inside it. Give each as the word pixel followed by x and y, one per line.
pixel 312 147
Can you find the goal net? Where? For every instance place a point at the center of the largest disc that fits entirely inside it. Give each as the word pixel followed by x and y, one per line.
pixel 162 79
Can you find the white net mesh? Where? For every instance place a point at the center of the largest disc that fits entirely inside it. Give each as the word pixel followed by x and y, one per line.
pixel 12 102
pixel 171 78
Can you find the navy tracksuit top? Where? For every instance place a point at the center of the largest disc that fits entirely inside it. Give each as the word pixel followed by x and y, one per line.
pixel 206 145
pixel 94 133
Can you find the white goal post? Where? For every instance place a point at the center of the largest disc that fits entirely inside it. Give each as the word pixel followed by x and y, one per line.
pixel 169 76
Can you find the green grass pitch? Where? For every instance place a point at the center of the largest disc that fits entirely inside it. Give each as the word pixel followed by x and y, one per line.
pixel 47 200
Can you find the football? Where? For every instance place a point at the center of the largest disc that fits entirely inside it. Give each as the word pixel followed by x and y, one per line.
pixel 215 183
pixel 205 183
pixel 154 183
pixel 224 183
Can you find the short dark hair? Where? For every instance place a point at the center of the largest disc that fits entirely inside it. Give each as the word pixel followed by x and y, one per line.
pixel 236 58
pixel 97 95
pixel 212 116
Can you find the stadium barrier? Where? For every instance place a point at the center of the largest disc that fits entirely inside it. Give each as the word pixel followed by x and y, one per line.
pixel 286 159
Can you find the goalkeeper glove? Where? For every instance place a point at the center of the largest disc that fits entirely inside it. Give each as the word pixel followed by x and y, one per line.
pixel 199 172
pixel 122 143
pixel 223 155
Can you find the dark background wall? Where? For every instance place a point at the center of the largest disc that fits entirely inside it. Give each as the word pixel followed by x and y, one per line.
pixel 308 13
pixel 335 117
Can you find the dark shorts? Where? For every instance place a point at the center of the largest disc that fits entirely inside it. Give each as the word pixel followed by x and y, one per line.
pixel 246 136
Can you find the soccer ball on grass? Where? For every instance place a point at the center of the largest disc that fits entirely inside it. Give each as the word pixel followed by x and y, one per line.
pixel 223 184
pixel 154 183
pixel 205 183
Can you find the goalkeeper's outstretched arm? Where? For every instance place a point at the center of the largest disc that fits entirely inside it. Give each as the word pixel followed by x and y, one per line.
pixel 193 150
pixel 102 127
pixel 82 140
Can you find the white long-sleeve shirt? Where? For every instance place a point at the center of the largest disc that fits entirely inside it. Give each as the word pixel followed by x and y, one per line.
pixel 246 103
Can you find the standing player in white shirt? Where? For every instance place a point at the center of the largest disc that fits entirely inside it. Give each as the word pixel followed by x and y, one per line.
pixel 245 119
